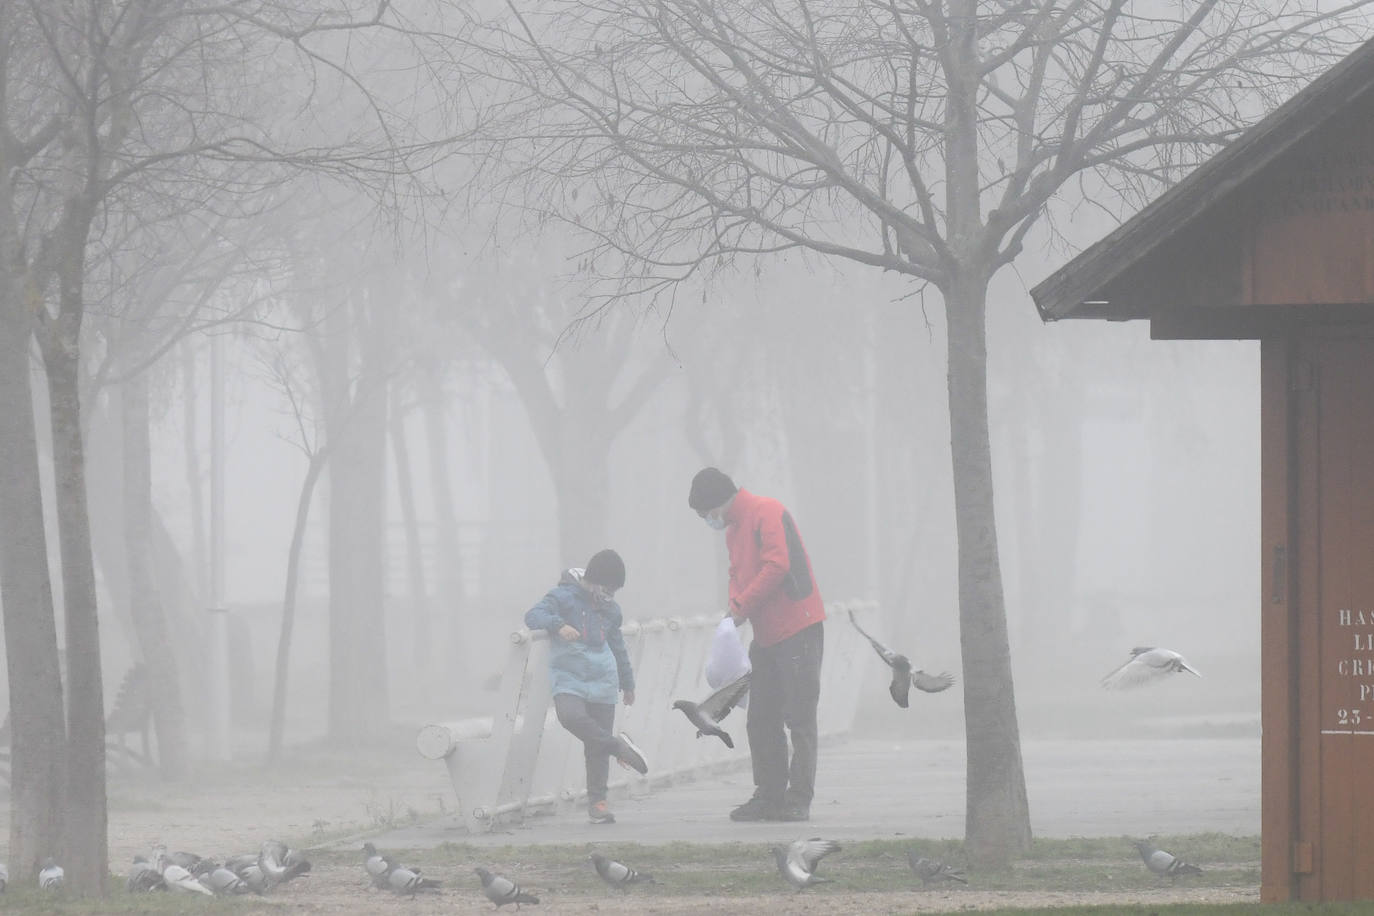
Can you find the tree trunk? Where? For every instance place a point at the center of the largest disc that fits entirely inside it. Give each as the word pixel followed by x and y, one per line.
pixel 997 814
pixel 145 599
pixel 85 854
pixel 38 732
pixel 447 545
pixel 415 557
pixel 359 701
pixel 288 606
pixel 195 487
pixel 582 481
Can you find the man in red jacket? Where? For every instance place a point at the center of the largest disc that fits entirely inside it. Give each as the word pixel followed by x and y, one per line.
pixel 771 586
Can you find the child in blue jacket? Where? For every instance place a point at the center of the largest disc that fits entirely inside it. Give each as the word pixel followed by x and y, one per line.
pixel 588 664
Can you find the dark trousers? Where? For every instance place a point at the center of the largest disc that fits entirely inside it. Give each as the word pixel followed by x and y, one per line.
pixel 590 723
pixel 783 691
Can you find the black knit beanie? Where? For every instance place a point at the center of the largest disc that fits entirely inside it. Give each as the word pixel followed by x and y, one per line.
pixel 605 568
pixel 710 489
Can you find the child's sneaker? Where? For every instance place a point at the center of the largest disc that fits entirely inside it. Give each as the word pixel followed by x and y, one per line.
pixel 600 813
pixel 631 757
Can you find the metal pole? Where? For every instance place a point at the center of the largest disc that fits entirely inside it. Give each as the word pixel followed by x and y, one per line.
pixel 218 748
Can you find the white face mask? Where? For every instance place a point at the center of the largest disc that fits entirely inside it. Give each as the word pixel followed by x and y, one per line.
pixel 716 521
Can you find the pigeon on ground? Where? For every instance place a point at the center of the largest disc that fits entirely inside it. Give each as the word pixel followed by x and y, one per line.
pixel 179 879
pixel 904 677
pixel 409 882
pixel 280 863
pixel 1147 664
pixel 50 875
pixel 797 862
pixel 252 876
pixel 4 877
pixel 295 863
pixel 237 863
pixel 717 706
pixel 223 882
pixel 929 870
pixel 377 865
pixel 617 874
pixel 501 890
pixel 144 877
pixel 1164 864
pixel 187 860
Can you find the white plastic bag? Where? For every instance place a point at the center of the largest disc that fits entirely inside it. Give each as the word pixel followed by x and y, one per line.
pixel 728 660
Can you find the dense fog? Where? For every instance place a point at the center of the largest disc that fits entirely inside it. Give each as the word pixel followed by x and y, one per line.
pixel 1127 501
pixel 328 342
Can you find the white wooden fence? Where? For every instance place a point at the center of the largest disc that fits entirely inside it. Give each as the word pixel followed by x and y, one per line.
pixel 521 760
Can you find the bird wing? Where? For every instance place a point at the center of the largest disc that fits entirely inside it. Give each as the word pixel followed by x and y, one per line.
pixel 900 686
pixel 718 705
pixel 1160 861
pixel 1138 670
pixel 500 888
pixel 887 655
pixel 931 683
pixel 808 852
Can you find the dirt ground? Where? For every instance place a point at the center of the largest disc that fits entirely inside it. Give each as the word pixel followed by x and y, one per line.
pixel 326 799
pixel 342 890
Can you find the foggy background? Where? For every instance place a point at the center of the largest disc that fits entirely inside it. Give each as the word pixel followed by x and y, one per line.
pixel 1126 470
pixel 1127 487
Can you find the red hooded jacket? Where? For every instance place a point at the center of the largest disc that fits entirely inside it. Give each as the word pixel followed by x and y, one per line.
pixel 770 574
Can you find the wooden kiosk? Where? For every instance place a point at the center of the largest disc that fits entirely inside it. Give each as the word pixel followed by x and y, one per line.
pixel 1273 240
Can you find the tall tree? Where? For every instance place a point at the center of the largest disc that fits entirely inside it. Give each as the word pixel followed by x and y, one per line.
pixel 579 382
pixel 170 95
pixel 925 137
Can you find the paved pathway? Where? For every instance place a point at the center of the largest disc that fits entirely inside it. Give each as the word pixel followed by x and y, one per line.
pixel 871 789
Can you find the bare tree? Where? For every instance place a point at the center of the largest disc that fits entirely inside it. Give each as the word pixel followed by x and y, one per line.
pixel 925 137
pixel 95 99
pixel 577 379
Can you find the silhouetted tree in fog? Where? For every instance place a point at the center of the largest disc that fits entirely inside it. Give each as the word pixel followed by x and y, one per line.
pixel 577 379
pixel 167 96
pixel 924 138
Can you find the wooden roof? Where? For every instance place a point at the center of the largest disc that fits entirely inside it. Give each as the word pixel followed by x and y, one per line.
pixel 1079 288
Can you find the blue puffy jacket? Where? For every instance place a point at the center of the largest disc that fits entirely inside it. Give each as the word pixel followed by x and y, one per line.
pixel 595 665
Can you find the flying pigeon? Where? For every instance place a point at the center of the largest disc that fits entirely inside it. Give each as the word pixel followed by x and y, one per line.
pixel 797 862
pixel 501 890
pixel 144 877
pixel 4 877
pixel 617 874
pixel 1164 864
pixel 903 675
pixel 929 870
pixel 223 882
pixel 179 879
pixel 1145 665
pixel 50 875
pixel 717 706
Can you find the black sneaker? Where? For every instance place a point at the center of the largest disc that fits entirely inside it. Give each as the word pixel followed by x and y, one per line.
pixel 794 813
pixel 600 813
pixel 756 809
pixel 631 757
